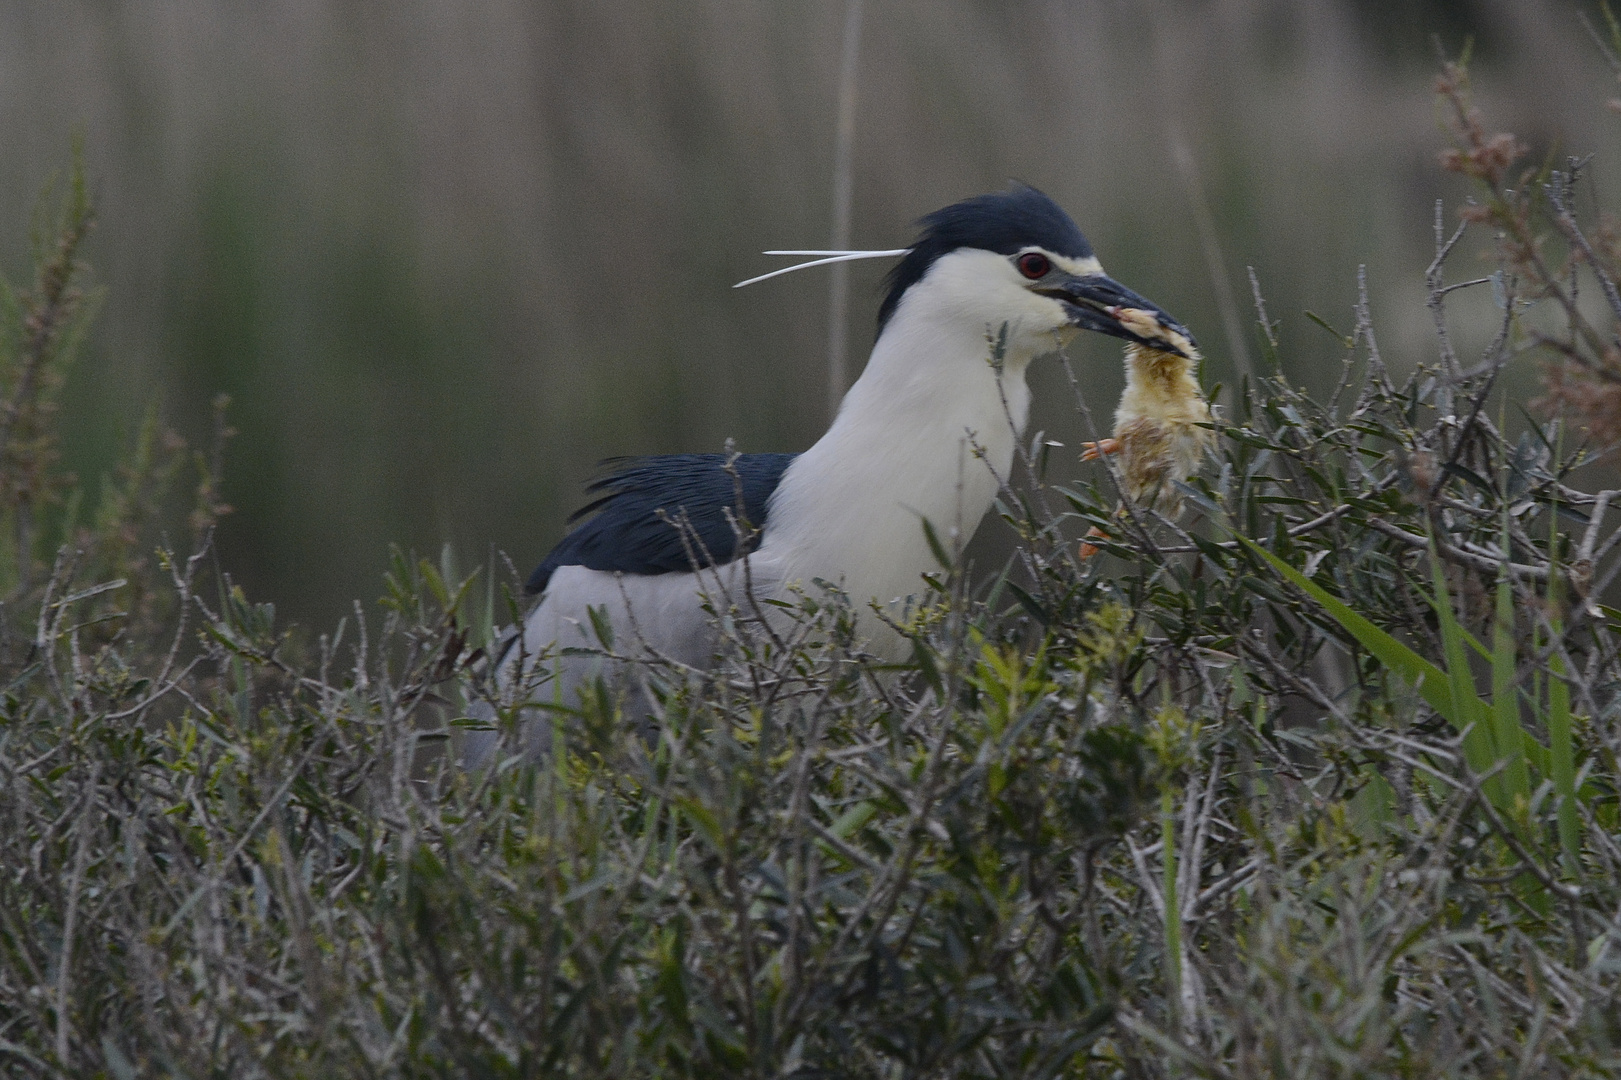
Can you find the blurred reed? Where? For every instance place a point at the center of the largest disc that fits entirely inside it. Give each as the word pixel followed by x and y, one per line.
pixel 446 255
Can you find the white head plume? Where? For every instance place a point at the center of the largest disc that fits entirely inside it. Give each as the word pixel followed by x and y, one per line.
pixel 827 257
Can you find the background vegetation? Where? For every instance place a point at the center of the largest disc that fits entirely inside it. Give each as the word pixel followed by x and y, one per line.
pixel 1325 784
pixel 398 237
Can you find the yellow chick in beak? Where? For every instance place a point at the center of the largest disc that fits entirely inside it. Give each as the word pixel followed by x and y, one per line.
pixel 1161 431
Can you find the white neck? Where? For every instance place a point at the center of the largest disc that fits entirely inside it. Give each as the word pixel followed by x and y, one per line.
pixel 923 434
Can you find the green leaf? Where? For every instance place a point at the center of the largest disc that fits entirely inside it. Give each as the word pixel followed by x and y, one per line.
pixel 704 820
pixel 1430 681
pixel 853 819
pixel 1505 697
pixel 1029 603
pixel 1562 757
pixel 937 548
pixel 1561 768
pixel 924 657
pixel 1467 710
pixel 1343 339
pixel 601 625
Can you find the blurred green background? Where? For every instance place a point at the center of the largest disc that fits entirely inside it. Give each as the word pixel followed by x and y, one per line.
pixel 446 254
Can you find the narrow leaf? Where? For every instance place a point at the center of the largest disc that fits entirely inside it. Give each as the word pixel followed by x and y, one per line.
pixel 1505 695
pixel 1430 681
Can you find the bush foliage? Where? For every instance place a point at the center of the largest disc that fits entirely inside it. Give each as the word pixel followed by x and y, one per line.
pixel 1324 784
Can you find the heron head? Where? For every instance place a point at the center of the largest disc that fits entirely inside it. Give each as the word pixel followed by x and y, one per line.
pixel 1015 259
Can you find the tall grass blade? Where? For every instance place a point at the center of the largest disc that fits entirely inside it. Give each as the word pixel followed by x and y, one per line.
pixel 1464 710
pixel 1430 681
pixel 1173 904
pixel 1479 742
pixel 1560 761
pixel 1562 758
pixel 1509 736
pixel 1561 746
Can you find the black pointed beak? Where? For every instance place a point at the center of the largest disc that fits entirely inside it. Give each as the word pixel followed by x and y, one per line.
pixel 1098 302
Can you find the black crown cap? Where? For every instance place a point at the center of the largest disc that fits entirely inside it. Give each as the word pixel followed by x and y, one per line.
pixel 1005 222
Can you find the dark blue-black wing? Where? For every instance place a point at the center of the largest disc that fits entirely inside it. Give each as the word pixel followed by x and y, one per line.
pixel 640 502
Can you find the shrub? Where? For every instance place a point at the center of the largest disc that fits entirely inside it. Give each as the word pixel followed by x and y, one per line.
pixel 1326 784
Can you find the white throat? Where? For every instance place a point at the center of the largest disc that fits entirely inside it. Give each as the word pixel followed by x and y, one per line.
pixel 926 433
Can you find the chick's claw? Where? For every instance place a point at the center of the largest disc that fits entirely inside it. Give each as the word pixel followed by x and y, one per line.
pixel 1091 451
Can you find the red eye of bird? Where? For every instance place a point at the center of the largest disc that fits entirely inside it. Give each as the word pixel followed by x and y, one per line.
pixel 1034 265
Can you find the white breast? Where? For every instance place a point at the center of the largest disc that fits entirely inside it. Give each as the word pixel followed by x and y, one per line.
pixel 926 434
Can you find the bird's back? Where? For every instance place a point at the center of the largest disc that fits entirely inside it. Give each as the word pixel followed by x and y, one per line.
pixel 670 513
pixel 664 539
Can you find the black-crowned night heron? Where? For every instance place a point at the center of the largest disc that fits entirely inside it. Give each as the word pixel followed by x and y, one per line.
pixel 925 434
